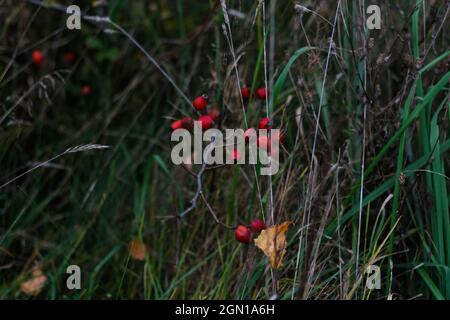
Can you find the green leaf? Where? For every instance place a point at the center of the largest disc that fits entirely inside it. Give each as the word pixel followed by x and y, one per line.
pixel 278 86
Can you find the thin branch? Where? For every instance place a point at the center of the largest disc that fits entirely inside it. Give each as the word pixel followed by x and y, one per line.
pixel 198 193
pixel 214 214
pixel 199 175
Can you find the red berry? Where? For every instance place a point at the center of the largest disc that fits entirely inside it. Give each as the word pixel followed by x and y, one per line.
pixel 243 234
pixel 185 123
pixel 206 122
pixel 86 90
pixel 177 124
pixel 263 143
pixel 248 133
pixel 214 114
pixel 69 57
pixel 245 91
pixel 257 225
pixel 200 102
pixel 236 155
pixel 261 93
pixel 264 124
pixel 38 57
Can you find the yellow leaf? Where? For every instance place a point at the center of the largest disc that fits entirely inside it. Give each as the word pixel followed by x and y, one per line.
pixel 272 241
pixel 137 250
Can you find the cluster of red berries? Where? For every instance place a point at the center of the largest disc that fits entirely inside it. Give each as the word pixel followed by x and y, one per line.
pixel 38 58
pixel 244 234
pixel 260 93
pixel 263 141
pixel 212 115
pixel 207 120
pixel 265 123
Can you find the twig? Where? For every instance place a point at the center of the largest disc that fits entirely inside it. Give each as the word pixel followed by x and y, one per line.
pixel 198 193
pixel 199 175
pixel 214 214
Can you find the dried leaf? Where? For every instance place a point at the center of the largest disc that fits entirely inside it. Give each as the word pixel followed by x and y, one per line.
pixel 33 286
pixel 137 250
pixel 272 242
